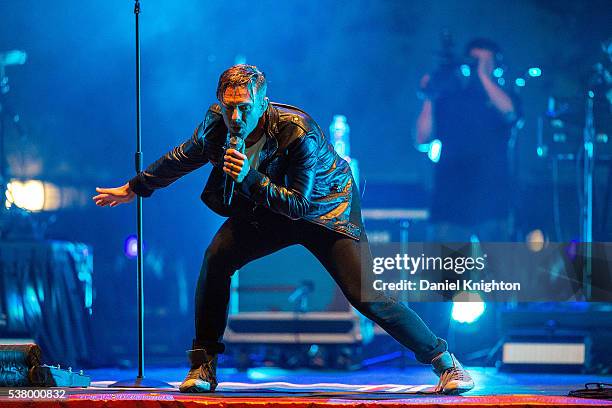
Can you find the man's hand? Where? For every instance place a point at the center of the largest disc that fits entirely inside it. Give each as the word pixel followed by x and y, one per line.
pixel 486 62
pixel 501 100
pixel 236 165
pixel 114 196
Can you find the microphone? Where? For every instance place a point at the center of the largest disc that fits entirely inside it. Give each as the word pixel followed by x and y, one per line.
pixel 237 143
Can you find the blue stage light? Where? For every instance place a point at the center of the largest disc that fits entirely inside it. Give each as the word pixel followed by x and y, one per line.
pixel 519 82
pixel 498 72
pixel 467 307
pixel 465 70
pixel 130 246
pixel 534 72
pixel 423 147
pixel 435 150
pixel 501 81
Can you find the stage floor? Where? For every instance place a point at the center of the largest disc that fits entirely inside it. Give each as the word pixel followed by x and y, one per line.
pixel 306 388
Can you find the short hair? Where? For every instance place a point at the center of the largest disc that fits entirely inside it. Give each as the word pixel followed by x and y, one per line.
pixel 485 44
pixel 240 75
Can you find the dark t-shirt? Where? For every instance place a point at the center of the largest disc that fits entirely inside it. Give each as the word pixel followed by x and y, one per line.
pixel 471 178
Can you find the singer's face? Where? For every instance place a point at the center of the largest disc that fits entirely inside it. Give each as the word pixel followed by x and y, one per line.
pixel 241 111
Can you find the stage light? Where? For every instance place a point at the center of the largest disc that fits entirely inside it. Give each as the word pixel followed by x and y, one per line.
pixel 422 147
pixel 32 195
pixel 14 57
pixel 465 70
pixel 498 72
pixel 520 82
pixel 340 134
pixel 588 146
pixel 534 72
pixel 435 150
pixel 501 81
pixel 29 195
pixel 467 307
pixel 130 246
pixel 535 240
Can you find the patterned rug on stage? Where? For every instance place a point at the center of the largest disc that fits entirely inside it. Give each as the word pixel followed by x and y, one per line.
pixel 285 394
pixel 278 387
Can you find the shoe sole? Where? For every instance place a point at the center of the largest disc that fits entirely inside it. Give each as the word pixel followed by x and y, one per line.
pixel 195 389
pixel 457 391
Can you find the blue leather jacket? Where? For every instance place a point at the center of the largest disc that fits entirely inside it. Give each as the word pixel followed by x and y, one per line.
pixel 299 175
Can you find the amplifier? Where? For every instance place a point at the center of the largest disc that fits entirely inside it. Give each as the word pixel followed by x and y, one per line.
pixel 563 351
pixel 529 352
pixel 568 337
pixel 290 280
pixel 294 328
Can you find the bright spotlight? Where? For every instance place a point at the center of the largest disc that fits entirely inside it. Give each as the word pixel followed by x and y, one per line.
pixel 29 195
pixel 465 70
pixel 534 72
pixel 435 150
pixel 498 72
pixel 535 240
pixel 520 82
pixel 467 307
pixel 32 195
pixel 130 246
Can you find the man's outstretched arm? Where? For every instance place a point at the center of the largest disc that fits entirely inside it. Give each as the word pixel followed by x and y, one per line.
pixel 181 160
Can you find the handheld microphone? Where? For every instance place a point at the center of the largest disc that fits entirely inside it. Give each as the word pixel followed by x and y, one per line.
pixel 237 143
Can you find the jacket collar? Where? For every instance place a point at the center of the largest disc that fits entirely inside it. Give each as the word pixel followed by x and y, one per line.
pixel 271 117
pixel 271 133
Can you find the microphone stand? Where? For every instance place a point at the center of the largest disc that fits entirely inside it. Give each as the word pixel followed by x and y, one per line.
pixel 4 176
pixel 587 196
pixel 140 381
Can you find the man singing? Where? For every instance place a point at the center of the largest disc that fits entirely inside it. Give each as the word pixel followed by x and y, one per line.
pixel 290 188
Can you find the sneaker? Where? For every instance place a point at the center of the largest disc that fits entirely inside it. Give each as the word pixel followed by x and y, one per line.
pixel 202 377
pixel 454 379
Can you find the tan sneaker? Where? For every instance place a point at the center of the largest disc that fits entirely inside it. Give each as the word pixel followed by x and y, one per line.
pixel 202 377
pixel 454 379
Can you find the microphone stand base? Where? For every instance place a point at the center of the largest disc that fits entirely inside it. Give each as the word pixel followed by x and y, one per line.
pixel 140 382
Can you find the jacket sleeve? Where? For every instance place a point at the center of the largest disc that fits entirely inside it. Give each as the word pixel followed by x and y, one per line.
pixel 294 199
pixel 188 156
